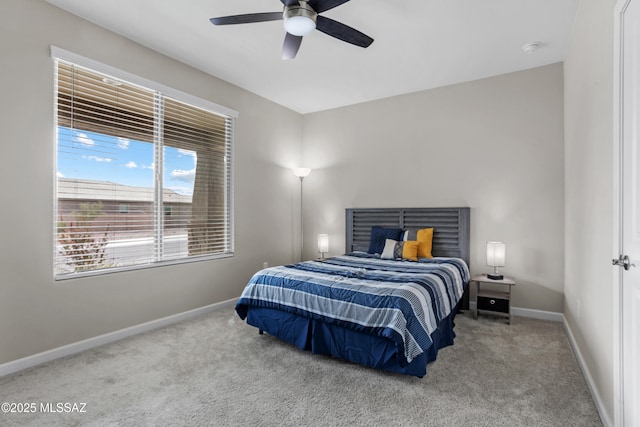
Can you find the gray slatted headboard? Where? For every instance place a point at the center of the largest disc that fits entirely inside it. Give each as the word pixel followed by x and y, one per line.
pixel 451 232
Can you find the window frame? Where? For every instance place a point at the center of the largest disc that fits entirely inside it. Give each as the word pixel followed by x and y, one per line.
pixel 165 91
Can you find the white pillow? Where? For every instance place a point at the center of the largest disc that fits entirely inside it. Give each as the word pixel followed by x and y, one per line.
pixel 389 248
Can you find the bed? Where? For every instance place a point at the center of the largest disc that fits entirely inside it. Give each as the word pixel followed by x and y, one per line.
pixel 389 314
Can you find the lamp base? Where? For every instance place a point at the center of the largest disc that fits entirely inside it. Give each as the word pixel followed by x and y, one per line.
pixel 495 276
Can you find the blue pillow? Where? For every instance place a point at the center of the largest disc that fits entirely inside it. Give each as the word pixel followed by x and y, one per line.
pixel 379 236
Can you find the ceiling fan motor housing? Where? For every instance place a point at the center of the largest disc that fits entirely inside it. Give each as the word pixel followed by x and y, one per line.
pixel 299 19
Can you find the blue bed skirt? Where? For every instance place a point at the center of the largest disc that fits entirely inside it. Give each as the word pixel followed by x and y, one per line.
pixel 348 344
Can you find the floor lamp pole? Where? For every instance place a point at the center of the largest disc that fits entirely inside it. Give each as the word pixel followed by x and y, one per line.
pixel 301 222
pixel 301 173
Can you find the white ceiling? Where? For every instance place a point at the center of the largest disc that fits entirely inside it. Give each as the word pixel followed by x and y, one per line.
pixel 419 44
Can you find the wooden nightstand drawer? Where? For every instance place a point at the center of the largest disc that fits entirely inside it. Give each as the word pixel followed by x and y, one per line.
pixel 493 304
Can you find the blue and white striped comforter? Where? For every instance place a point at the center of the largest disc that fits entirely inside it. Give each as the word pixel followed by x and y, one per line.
pixel 401 300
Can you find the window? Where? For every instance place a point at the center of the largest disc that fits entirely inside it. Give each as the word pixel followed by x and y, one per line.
pixel 143 172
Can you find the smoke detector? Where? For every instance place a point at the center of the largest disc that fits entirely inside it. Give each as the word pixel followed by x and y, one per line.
pixel 531 47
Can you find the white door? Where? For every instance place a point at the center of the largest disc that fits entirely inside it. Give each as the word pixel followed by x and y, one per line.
pixel 628 123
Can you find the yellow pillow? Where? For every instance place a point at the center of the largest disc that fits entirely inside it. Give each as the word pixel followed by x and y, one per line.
pixel 410 250
pixel 425 240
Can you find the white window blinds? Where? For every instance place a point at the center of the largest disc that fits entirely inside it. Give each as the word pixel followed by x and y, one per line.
pixel 143 178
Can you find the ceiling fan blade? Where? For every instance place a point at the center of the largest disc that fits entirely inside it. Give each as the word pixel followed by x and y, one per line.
pixel 290 2
pixel 291 46
pixel 342 32
pixel 247 19
pixel 321 5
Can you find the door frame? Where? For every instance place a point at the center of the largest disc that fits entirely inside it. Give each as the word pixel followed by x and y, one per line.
pixel 618 368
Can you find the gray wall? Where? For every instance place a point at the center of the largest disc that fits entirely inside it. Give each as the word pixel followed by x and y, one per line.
pixel 495 145
pixel 36 313
pixel 589 191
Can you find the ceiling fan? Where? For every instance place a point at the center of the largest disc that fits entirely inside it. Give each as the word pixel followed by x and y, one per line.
pixel 301 17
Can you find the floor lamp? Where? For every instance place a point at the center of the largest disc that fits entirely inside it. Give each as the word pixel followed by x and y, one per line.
pixel 301 173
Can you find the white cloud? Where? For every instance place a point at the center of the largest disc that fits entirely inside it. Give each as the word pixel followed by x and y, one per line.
pixel 123 143
pixel 98 159
pixel 193 154
pixel 186 176
pixel 131 165
pixel 151 166
pixel 59 174
pixel 84 139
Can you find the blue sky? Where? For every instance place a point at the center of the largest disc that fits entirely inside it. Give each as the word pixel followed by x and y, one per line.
pixel 95 156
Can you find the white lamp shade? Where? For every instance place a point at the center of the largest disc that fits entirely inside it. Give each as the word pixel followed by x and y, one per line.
pixel 301 172
pixel 496 254
pixel 323 243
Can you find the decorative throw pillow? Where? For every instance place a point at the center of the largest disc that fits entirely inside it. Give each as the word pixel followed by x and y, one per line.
pixel 379 235
pixel 389 249
pixel 425 238
pixel 410 233
pixel 410 250
pixel 400 250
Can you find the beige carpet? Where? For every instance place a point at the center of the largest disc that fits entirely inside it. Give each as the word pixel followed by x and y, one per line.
pixel 216 370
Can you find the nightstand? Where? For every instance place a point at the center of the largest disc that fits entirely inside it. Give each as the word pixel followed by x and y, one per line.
pixel 496 300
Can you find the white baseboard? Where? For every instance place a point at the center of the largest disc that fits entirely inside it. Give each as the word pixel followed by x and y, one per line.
pixel 77 347
pixel 604 415
pixel 537 314
pixel 531 313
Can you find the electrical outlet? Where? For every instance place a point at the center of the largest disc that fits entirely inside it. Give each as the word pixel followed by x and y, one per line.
pixel 265 264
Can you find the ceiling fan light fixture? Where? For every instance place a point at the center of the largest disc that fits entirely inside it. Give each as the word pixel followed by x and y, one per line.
pixel 299 20
pixel 299 25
